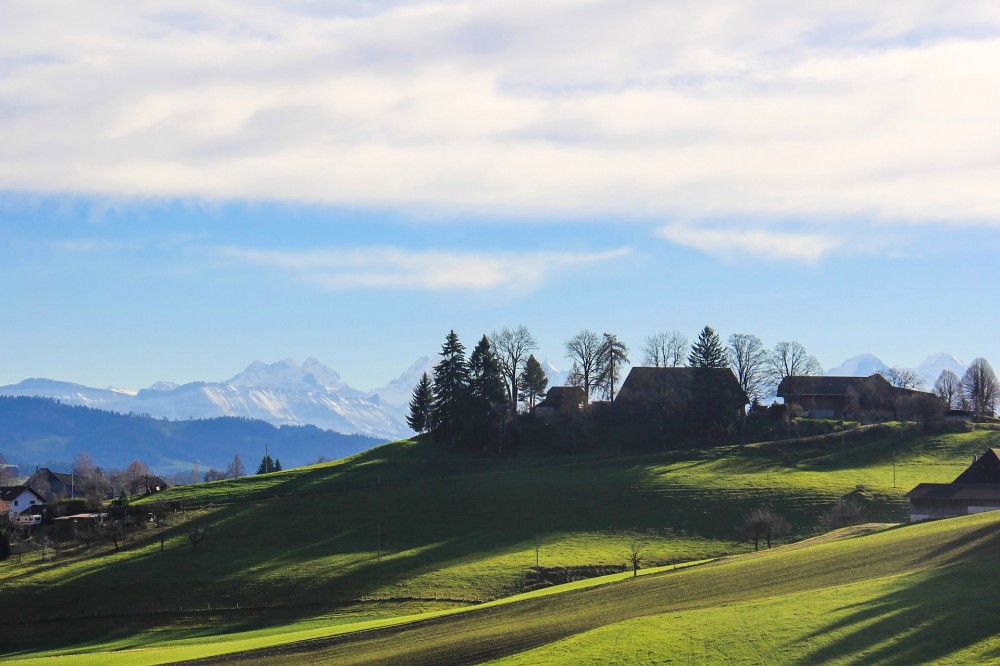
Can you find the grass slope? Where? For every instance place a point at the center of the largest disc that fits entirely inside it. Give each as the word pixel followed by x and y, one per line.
pixel 297 550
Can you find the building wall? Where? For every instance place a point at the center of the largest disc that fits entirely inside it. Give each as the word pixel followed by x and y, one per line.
pixel 25 501
pixel 924 509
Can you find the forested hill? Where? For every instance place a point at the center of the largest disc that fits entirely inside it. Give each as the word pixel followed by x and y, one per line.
pixel 39 431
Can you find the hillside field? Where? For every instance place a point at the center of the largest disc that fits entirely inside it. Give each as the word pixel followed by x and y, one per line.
pixel 408 528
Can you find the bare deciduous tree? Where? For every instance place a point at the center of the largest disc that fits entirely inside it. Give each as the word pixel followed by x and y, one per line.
pixel 236 468
pixel 949 388
pixel 748 358
pixel 665 350
pixel 6 472
pixel 613 355
pixel 761 524
pixel 790 359
pixel 196 534
pixel 214 474
pixel 584 349
pixel 981 388
pixel 635 556
pixel 845 512
pixel 903 378
pixel 512 347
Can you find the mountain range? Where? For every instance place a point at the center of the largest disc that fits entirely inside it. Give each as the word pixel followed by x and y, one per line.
pixel 928 370
pixel 310 393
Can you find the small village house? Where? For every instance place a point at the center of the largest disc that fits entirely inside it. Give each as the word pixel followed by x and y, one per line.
pixel 21 498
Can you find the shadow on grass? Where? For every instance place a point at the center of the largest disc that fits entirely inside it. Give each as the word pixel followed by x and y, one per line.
pixel 944 611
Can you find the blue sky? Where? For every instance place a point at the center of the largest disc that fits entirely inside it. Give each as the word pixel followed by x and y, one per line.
pixel 185 190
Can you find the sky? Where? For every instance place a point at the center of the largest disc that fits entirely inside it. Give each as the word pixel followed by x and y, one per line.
pixel 185 189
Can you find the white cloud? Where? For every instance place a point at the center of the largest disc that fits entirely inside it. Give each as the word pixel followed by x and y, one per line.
pixel 734 243
pixel 631 109
pixel 435 270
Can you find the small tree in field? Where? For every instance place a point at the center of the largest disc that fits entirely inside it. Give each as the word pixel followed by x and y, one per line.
pixel 635 556
pixel 196 534
pixel 761 524
pixel 236 468
pixel 844 513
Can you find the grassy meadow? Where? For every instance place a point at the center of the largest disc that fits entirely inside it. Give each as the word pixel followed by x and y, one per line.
pixel 408 529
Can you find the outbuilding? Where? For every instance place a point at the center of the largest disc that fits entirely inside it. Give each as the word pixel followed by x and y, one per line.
pixel 976 490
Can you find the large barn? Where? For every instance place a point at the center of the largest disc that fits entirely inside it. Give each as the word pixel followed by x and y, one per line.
pixel 976 490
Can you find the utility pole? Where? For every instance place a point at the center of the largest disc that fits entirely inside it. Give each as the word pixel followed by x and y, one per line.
pixel 536 550
pixel 378 542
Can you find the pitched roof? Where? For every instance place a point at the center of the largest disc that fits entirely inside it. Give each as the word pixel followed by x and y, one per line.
pixel 956 491
pixel 825 385
pixel 985 469
pixel 650 383
pixel 8 493
pixel 558 396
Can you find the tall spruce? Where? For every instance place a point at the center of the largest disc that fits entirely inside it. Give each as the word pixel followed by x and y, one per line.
pixel 708 351
pixel 486 381
pixel 451 385
pixel 419 418
pixel 533 381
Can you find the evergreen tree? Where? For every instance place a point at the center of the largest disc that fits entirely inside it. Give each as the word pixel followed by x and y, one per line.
pixel 533 381
pixel 708 351
pixel 277 465
pixel 266 465
pixel 486 411
pixel 419 418
pixel 451 384
pixel 486 380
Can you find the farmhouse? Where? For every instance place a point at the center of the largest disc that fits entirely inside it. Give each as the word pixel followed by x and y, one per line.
pixel 870 398
pixel 976 490
pixel 20 498
pixel 672 390
pixel 147 484
pixel 829 397
pixel 562 400
pixel 57 485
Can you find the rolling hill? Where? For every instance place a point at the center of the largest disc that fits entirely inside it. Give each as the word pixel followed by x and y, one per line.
pixel 408 528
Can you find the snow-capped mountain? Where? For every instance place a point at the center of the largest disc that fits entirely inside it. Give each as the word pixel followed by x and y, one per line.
pixel 282 393
pixel 556 376
pixel 932 366
pixel 929 369
pixel 396 395
pixel 861 365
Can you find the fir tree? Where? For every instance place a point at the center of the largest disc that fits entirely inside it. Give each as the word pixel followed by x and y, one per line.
pixel 277 465
pixel 533 381
pixel 419 418
pixel 451 383
pixel 267 464
pixel 708 351
pixel 486 380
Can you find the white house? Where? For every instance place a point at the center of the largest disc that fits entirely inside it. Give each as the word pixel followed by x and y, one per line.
pixel 20 498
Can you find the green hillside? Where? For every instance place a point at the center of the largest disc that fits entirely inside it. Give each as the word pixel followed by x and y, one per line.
pixel 299 550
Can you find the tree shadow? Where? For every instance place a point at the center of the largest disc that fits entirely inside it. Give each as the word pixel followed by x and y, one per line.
pixel 934 615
